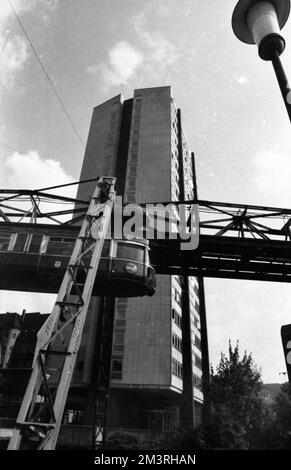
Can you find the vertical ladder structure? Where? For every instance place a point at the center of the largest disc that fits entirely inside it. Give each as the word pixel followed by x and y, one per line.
pixel 101 377
pixel 40 415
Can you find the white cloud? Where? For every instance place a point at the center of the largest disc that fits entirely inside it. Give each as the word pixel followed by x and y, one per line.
pixel 241 80
pixel 21 6
pixel 14 53
pixel 5 10
pixel 32 172
pixel 25 171
pixel 13 48
pixel 150 61
pixel 123 59
pixel 272 176
pixel 158 49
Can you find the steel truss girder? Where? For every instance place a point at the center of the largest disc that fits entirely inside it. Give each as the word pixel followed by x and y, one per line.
pixel 58 340
pixel 225 257
pixel 18 205
pixel 232 239
pixel 242 220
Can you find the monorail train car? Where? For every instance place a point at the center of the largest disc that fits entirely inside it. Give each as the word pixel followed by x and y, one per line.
pixel 34 258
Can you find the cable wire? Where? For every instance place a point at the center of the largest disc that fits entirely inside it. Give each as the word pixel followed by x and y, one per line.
pixel 9 147
pixel 46 74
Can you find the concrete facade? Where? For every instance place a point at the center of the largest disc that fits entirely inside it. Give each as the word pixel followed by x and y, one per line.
pixel 138 141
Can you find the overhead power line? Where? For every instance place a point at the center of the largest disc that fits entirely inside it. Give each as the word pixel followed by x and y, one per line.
pixel 9 147
pixel 46 74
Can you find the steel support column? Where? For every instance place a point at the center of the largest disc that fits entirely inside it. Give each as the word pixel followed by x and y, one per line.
pixel 101 383
pixel 203 319
pixel 187 408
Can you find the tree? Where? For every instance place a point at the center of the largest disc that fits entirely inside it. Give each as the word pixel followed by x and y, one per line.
pixel 128 441
pixel 236 408
pixel 282 410
pixel 186 438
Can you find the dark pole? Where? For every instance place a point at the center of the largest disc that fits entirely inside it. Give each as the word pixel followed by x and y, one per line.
pixel 283 81
pixel 203 321
pixel 187 405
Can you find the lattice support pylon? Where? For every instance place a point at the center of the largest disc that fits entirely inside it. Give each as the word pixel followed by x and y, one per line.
pixel 40 415
pixel 103 369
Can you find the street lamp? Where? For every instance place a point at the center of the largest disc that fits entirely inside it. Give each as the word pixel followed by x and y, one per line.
pixel 260 22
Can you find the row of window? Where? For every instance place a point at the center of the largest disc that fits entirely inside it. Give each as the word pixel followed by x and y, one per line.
pixel 175 194
pixel 196 322
pixel 198 361
pixel 174 143
pixel 177 368
pixel 72 417
pixel 188 175
pixel 116 367
pixel 121 305
pixel 118 338
pixel 174 118
pixel 36 243
pixel 177 342
pixel 175 179
pixel 197 342
pixel 195 305
pixel 110 139
pixel 175 189
pixel 178 279
pixel 133 156
pixel 175 163
pixel 177 297
pixel 175 176
pixel 197 381
pixel 177 318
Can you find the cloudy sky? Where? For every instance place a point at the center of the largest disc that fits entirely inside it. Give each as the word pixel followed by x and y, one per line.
pixel 231 107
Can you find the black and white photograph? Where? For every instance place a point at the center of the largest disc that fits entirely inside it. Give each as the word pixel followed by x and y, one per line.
pixel 145 230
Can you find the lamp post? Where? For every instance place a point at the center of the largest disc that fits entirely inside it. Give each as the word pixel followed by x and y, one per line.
pixel 260 22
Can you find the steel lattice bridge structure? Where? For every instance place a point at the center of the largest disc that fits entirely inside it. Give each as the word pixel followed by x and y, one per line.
pixel 237 241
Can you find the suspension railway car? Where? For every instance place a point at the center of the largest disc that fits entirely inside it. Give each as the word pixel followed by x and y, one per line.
pixel 34 258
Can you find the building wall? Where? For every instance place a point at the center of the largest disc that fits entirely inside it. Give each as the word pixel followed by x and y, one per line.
pixel 192 282
pixel 102 145
pixel 151 330
pixel 149 163
pixel 147 342
pixel 145 360
pixel 85 359
pixel 100 159
pixel 142 136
